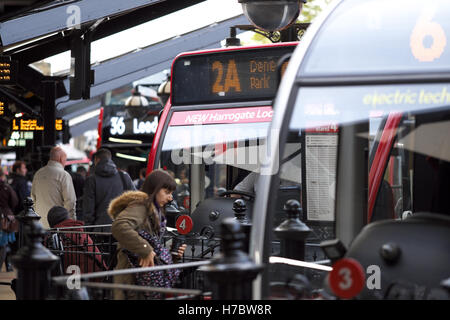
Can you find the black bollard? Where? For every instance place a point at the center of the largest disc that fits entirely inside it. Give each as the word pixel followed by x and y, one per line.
pixel 33 261
pixel 239 208
pixel 231 273
pixel 25 217
pixel 292 232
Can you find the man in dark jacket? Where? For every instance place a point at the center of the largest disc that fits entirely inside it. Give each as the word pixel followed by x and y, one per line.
pixel 78 179
pixel 105 184
pixel 18 181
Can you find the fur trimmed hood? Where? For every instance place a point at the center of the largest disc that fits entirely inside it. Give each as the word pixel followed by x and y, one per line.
pixel 119 204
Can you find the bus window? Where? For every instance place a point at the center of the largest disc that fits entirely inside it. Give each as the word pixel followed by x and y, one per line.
pixel 205 158
pixel 412 177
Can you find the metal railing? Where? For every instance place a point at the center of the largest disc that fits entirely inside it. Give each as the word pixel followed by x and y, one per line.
pixel 88 247
pixel 227 276
pixel 85 286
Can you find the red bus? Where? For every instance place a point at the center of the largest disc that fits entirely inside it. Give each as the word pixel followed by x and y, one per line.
pixel 211 132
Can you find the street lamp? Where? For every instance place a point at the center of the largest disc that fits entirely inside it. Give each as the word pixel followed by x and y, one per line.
pixel 136 99
pixel 135 102
pixel 272 15
pixel 164 91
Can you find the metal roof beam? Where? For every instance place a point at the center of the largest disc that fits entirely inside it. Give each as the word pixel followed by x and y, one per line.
pixel 130 67
pixel 63 17
pixel 141 64
pixel 41 49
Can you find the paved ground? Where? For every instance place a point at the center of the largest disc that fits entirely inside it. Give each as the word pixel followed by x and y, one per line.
pixel 5 291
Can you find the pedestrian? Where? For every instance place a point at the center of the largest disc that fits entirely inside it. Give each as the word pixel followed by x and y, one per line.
pixel 139 225
pixel 18 181
pixel 8 202
pixel 79 177
pixel 105 184
pixel 53 186
pixel 79 247
pixel 139 182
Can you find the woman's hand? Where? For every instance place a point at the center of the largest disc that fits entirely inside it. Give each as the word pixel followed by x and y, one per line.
pixel 148 261
pixel 180 251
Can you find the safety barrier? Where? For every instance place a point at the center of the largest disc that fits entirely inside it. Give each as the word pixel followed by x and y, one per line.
pixel 88 247
pixel 206 275
pixel 87 286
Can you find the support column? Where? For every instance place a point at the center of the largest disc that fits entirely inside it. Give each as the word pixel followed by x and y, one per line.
pixel 49 116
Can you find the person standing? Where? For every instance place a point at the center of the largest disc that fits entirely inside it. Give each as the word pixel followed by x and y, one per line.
pixel 105 184
pixel 79 178
pixel 139 182
pixel 53 186
pixel 8 202
pixel 139 225
pixel 18 181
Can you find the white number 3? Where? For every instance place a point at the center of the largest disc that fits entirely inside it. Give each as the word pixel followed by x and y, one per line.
pixel 347 281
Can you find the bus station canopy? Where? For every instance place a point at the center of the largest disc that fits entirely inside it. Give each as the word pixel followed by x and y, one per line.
pixel 33 30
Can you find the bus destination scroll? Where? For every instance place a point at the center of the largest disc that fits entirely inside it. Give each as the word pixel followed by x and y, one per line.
pixel 244 77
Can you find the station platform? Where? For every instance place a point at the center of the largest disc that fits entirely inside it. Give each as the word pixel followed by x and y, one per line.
pixel 5 291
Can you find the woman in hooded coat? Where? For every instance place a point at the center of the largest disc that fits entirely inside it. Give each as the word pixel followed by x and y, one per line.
pixel 134 211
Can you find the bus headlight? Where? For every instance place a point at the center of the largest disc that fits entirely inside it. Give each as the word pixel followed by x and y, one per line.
pixel 272 15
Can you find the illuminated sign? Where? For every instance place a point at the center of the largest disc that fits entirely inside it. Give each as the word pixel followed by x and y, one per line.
pixel 238 75
pixel 2 108
pixel 218 116
pixel 119 126
pixel 8 70
pixel 33 125
pixel 122 127
pixel 18 139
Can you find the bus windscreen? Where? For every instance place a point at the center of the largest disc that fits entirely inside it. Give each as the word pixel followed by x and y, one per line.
pixel 238 75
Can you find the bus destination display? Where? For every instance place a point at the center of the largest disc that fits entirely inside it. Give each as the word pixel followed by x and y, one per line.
pixel 227 76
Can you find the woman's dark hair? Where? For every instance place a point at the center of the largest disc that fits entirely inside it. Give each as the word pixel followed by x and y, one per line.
pixel 155 181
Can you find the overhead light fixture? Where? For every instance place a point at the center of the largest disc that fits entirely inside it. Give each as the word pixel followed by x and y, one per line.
pixel 84 117
pixel 127 156
pixel 272 15
pixel 124 140
pixel 136 99
pixel 134 104
pixel 164 91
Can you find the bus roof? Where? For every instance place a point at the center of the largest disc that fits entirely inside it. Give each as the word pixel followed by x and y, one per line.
pixel 379 37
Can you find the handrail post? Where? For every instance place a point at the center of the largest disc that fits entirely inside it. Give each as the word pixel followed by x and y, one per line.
pixel 33 261
pixel 240 208
pixel 232 272
pixel 292 232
